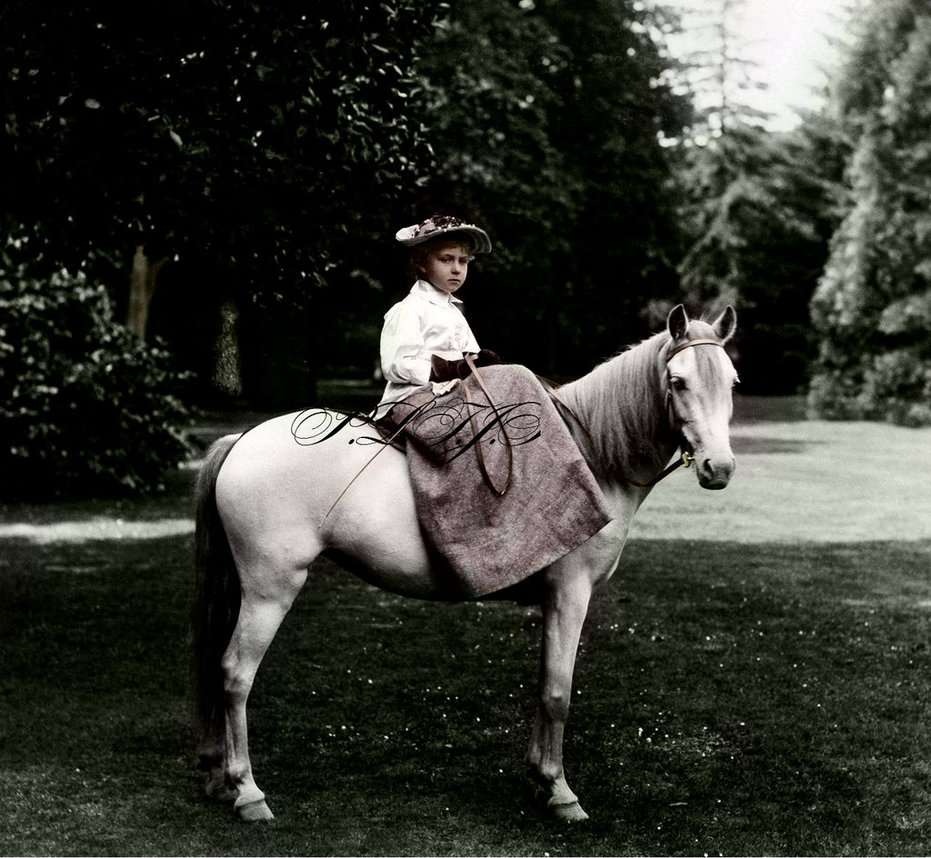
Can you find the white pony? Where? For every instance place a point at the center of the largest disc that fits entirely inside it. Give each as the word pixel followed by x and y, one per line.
pixel 267 508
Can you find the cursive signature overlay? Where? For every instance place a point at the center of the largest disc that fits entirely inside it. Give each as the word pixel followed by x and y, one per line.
pixel 448 427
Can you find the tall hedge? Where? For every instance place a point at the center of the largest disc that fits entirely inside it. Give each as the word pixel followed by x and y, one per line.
pixel 85 407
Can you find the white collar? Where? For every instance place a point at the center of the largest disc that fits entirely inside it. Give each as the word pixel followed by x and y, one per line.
pixel 427 290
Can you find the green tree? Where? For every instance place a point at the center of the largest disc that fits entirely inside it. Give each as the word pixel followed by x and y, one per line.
pixel 253 143
pixel 544 119
pixel 489 97
pixel 614 112
pixel 759 209
pixel 757 205
pixel 872 309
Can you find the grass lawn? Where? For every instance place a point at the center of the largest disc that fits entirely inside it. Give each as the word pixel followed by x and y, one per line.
pixel 755 680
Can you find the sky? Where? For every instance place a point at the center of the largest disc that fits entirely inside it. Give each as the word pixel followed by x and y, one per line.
pixel 788 39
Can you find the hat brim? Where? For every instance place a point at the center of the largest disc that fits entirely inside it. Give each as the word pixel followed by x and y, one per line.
pixel 480 239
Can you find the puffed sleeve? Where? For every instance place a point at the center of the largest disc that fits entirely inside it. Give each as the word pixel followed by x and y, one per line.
pixel 404 358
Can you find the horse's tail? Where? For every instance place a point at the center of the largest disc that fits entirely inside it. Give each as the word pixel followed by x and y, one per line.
pixel 218 595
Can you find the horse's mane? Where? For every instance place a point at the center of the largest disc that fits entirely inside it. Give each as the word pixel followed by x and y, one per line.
pixel 622 402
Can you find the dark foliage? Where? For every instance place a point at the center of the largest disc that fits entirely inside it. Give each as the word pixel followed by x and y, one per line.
pixel 545 120
pixel 85 407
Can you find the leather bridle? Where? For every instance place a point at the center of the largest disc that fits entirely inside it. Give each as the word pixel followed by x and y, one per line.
pixel 698 341
pixel 686 459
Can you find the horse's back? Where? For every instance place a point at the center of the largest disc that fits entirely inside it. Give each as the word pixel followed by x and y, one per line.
pixel 343 491
pixel 276 454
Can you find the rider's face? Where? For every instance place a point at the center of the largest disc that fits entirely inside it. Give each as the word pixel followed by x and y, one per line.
pixel 446 267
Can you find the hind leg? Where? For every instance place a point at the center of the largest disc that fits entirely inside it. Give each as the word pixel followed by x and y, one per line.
pixel 260 616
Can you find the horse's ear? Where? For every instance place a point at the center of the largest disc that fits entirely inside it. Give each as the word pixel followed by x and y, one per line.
pixel 677 322
pixel 726 324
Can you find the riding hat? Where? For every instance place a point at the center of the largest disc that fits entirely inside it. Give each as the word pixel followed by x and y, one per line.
pixel 434 227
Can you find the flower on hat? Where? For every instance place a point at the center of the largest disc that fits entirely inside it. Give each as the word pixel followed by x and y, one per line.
pixel 438 225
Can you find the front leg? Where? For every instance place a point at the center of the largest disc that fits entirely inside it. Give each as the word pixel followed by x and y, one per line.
pixel 564 610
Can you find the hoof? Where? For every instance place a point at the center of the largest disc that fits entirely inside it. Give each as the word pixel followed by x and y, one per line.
pixel 254 811
pixel 568 813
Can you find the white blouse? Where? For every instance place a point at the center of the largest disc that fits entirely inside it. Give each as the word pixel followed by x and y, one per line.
pixel 427 322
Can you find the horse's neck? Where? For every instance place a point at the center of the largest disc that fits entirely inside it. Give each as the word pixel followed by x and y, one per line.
pixel 621 405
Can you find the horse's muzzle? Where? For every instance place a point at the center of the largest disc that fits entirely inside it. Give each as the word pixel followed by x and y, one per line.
pixel 715 472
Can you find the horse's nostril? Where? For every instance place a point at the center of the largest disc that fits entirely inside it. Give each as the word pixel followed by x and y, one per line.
pixel 715 473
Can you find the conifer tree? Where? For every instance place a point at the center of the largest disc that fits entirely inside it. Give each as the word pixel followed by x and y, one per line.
pixel 872 309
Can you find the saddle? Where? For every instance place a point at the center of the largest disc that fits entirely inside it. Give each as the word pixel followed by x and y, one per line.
pixel 501 488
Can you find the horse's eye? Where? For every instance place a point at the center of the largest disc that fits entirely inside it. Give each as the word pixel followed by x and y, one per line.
pixel 677 383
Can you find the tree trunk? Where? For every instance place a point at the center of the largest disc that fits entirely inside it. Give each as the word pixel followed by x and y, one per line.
pixel 142 282
pixel 228 365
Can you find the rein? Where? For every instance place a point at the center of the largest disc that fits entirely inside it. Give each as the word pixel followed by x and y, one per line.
pixel 686 458
pixel 478 447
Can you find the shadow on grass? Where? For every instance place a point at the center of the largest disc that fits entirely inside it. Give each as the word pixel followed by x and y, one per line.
pixel 729 698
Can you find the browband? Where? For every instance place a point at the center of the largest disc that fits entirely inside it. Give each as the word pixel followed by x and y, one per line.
pixel 699 341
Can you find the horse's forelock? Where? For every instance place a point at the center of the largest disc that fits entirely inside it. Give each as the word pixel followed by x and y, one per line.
pixel 700 328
